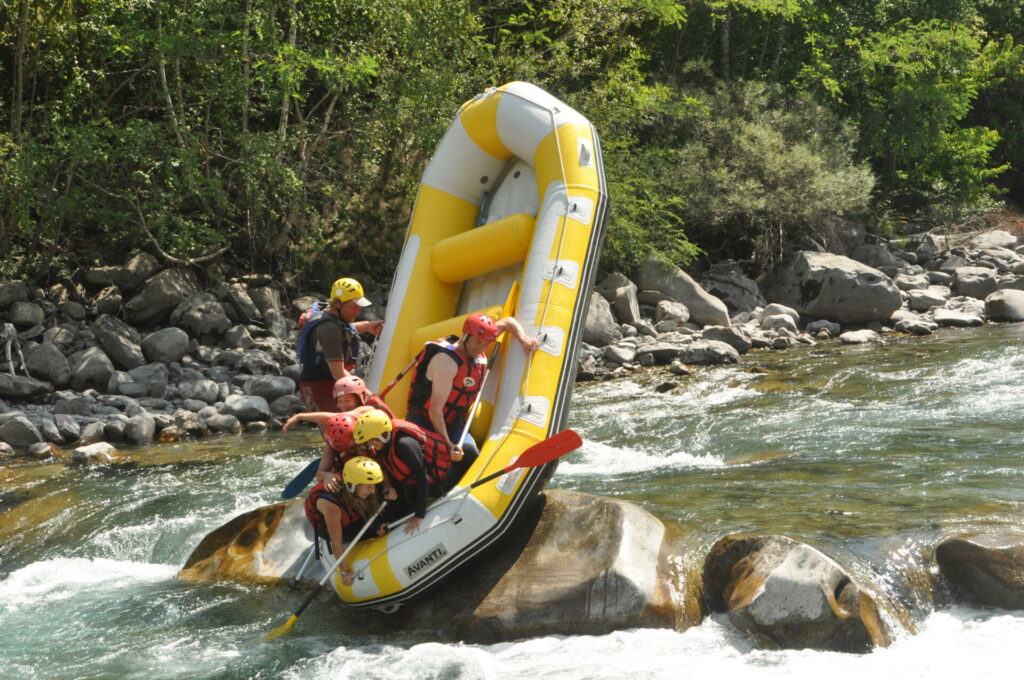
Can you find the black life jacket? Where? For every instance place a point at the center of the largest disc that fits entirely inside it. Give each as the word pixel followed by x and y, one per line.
pixel 349 517
pixel 468 378
pixel 314 365
pixel 436 458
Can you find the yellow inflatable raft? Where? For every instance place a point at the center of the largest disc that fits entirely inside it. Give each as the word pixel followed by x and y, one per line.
pixel 509 220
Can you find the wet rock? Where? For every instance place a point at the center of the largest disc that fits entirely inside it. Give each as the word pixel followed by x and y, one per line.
pixel 985 569
pixel 916 326
pixel 975 282
pixel 956 318
pixel 90 368
pixel 20 432
pixel 831 328
pixel 6 450
pixel 100 452
pixel 705 309
pixel 709 352
pixel 1005 305
pixel 44 450
pixel 224 423
pixel 791 595
pixel 835 287
pixel 255 427
pixel 601 329
pixel 862 337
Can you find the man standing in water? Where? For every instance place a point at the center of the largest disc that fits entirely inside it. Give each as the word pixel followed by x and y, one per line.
pixel 329 344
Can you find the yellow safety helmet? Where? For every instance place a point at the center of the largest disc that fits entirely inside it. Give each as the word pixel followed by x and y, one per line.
pixel 345 290
pixel 373 424
pixel 362 470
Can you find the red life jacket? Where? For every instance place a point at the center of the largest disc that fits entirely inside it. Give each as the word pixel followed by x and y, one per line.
pixel 468 378
pixel 377 402
pixel 436 458
pixel 316 518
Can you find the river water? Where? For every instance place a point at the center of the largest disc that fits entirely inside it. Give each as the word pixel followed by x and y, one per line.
pixel 870 454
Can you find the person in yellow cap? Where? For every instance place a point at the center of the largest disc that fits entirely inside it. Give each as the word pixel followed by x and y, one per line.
pixel 329 344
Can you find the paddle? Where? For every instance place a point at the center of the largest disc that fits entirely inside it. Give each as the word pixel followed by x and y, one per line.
pixel 555 446
pixel 287 626
pixel 301 481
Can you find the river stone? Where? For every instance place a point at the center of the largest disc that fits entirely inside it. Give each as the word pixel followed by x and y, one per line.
pixel 626 307
pixel 726 281
pixel 875 256
pixel 986 569
pixel 611 283
pixel 247 408
pixel 777 322
pixel 11 292
pixel 730 335
pixel 99 277
pixel 831 328
pixel 48 428
pixel 924 299
pixel 223 422
pixel 617 354
pixel 46 361
pixel 791 595
pixel 67 426
pixel 201 315
pixel 237 337
pixel 286 405
pixel 140 267
pixel 956 318
pixel 835 287
pixel 705 309
pixel 670 310
pixel 21 387
pixel 862 337
pixel 166 345
pixel 911 282
pixel 91 433
pixel 575 564
pixel 916 326
pixel 601 329
pixel 140 429
pixel 159 296
pixel 108 301
pixel 120 341
pixel 90 368
pixel 270 387
pixel 99 452
pixel 44 450
pixel 256 362
pixel 205 391
pixel 709 352
pixel 26 315
pixel 975 282
pixel 996 238
pixel 239 296
pixel 73 310
pixel 20 432
pixel 1005 305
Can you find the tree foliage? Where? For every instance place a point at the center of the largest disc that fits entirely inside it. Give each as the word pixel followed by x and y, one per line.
pixel 289 136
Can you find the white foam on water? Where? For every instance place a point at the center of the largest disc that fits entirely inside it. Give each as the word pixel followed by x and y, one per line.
pixel 597 460
pixel 958 642
pixel 59 579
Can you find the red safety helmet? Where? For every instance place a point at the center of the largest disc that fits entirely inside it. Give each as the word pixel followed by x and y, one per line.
pixel 481 326
pixel 350 384
pixel 338 431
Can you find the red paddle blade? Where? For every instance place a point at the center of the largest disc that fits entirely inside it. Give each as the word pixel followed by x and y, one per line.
pixel 546 451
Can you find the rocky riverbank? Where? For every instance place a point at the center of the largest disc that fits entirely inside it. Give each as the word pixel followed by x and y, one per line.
pixel 127 355
pixel 666 317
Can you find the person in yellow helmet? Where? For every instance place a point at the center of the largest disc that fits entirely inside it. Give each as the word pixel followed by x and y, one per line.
pixel 329 344
pixel 338 515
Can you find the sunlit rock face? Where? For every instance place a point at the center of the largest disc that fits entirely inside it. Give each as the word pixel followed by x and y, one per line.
pixel 985 569
pixel 791 596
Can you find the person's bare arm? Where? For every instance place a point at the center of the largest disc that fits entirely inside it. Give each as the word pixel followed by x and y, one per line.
pixel 326 473
pixel 441 370
pixel 512 325
pixel 318 417
pixel 368 327
pixel 332 516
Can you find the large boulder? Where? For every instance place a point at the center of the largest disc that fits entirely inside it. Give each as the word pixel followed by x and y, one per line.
pixel 975 282
pixel 19 432
pixel 791 595
pixel 11 292
pixel 48 362
pixel 705 309
pixel 166 345
pixel 90 368
pixel 138 268
pixel 577 564
pixel 270 387
pixel 709 352
pixel 22 387
pixel 996 238
pixel 201 315
pixel 834 287
pixel 26 314
pixel 247 408
pixel 727 282
pixel 601 328
pixel 159 296
pixel 120 342
pixel 1003 305
pixel 985 569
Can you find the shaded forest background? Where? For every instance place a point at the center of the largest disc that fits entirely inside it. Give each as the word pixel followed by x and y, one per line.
pixel 288 137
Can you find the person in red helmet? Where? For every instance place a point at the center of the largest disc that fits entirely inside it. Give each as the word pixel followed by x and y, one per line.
pixel 445 389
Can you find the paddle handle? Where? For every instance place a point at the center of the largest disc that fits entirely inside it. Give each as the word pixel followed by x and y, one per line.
pixel 337 562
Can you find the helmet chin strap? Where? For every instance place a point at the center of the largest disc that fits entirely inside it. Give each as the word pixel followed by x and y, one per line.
pixel 351 488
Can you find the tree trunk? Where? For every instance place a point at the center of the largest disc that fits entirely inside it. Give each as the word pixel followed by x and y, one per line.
pixel 286 86
pixel 724 45
pixel 245 66
pixel 19 72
